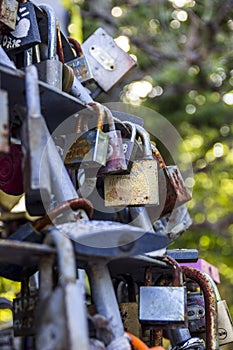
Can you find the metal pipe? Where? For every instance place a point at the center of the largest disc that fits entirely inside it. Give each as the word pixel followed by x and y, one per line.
pixel 104 297
pixel 210 305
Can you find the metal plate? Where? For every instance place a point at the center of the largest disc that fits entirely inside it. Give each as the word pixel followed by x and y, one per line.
pixel 56 105
pixel 110 239
pixel 22 253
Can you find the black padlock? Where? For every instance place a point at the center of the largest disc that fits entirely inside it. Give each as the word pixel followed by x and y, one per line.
pixel 26 33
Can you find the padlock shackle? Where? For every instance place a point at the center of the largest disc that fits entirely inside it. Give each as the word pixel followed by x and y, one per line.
pixel 52 31
pixel 74 204
pixel 110 119
pixel 158 156
pixel 132 128
pixel 97 107
pixel 76 45
pixel 145 137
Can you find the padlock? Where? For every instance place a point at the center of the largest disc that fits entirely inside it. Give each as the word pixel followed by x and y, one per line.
pixel 24 310
pixel 4 123
pixel 108 62
pixel 225 324
pixel 172 190
pixel 174 224
pixel 196 312
pixel 164 305
pixel 90 148
pixel 130 145
pixel 61 317
pixel 140 186
pixel 26 33
pixel 50 68
pixel 8 15
pixel 79 64
pixel 129 315
pixel 115 162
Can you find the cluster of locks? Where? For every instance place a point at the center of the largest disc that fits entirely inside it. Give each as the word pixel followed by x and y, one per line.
pixel 102 206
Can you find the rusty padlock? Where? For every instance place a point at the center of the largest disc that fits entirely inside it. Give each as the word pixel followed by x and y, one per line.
pixel 141 186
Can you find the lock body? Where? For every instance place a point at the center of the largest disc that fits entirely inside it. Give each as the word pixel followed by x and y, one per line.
pixel 79 64
pixel 24 314
pixel 26 33
pixel 137 188
pixel 109 63
pixel 140 187
pixel 89 150
pixel 162 305
pixel 8 14
pixel 177 193
pixel 196 312
pixel 225 325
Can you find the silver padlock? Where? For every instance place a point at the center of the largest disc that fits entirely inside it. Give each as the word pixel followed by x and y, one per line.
pixel 61 315
pixel 50 69
pixel 79 64
pixel 108 62
pixel 164 305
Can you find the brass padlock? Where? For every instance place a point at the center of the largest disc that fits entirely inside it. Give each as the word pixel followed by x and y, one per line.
pixel 90 148
pixel 140 187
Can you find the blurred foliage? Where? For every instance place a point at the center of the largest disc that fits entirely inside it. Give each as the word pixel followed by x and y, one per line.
pixel 184 50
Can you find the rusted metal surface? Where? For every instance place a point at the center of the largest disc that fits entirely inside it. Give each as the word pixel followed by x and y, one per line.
pixel 177 271
pixel 177 193
pixel 210 305
pixel 72 204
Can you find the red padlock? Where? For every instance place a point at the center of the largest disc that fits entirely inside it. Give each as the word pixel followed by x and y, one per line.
pixel 11 178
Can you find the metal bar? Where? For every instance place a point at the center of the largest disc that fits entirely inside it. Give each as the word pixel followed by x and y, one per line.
pixel 104 296
pixel 210 305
